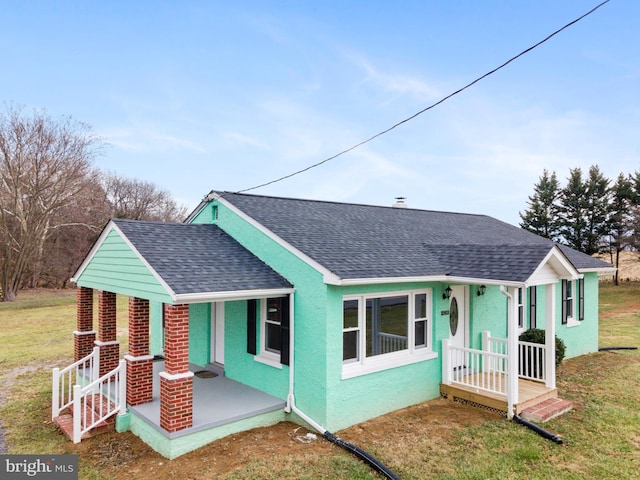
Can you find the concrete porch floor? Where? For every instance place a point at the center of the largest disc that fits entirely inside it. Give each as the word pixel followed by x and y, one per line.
pixel 216 401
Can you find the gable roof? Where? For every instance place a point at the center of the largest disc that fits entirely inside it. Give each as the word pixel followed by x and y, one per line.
pixel 193 261
pixel 371 242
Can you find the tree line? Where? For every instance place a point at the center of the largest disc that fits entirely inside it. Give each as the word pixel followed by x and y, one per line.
pixel 54 201
pixel 590 213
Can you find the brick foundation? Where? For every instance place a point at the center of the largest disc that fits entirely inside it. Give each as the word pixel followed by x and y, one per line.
pixel 176 403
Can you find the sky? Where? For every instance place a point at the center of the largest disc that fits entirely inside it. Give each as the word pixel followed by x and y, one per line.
pixel 195 96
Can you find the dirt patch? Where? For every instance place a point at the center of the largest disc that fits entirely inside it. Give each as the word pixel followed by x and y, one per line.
pixel 125 456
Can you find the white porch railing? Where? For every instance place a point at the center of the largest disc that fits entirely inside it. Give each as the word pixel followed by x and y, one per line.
pixel 82 371
pixel 532 361
pixel 531 356
pixel 93 403
pixel 477 369
pixel 487 369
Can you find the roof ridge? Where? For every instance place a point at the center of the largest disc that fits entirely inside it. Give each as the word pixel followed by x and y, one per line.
pixel 335 202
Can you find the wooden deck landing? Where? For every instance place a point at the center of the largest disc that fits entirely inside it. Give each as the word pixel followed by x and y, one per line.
pixel 529 393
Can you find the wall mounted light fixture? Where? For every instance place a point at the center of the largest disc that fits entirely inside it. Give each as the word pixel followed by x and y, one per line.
pixel 481 290
pixel 447 293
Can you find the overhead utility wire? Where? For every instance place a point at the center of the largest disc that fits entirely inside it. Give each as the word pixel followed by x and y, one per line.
pixel 427 108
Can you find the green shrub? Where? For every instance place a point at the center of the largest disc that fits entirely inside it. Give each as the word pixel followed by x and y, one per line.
pixel 536 335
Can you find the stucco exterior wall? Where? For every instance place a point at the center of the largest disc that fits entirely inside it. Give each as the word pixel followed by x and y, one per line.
pixel 309 316
pixel 582 338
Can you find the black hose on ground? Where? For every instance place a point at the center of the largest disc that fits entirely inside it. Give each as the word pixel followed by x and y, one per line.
pixel 362 455
pixel 539 430
pixel 606 349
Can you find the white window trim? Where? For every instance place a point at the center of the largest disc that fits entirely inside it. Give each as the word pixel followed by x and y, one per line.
pixel 572 319
pixel 365 365
pixel 265 356
pixel 521 297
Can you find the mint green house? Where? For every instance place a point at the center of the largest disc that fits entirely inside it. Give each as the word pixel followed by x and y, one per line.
pixel 259 309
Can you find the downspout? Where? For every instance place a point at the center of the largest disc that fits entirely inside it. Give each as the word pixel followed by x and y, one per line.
pixel 291 407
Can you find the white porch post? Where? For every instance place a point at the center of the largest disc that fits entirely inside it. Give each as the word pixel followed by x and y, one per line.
pixel 512 350
pixel 446 365
pixel 550 336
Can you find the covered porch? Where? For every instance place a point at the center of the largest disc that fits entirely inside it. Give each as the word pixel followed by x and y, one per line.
pixel 504 374
pixel 217 401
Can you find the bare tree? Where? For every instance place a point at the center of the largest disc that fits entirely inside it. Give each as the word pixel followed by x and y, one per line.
pixel 138 200
pixel 44 165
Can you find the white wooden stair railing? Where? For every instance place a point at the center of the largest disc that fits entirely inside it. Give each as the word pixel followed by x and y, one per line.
pixel 93 403
pixel 84 370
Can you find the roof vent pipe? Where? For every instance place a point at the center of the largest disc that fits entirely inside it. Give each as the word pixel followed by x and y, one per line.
pixel 400 203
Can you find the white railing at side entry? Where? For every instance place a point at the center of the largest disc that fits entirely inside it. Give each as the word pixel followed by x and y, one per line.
pixel 109 396
pixel 84 370
pixel 478 369
pixel 531 356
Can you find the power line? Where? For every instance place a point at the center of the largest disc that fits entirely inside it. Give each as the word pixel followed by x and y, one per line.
pixel 298 172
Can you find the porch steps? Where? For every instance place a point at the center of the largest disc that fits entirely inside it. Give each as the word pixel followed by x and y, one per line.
pixel 93 410
pixel 546 410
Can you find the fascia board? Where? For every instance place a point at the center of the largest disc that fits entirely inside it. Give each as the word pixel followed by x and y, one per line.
pixel 429 278
pixel 329 277
pixel 205 297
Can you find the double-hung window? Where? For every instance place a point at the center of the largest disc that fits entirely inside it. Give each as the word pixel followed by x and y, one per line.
pixel 385 330
pixel 533 307
pixel 572 302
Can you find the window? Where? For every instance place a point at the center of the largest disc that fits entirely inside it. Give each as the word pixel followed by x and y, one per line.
pixel 567 301
pixel 581 299
pixel 268 330
pixel 272 319
pixel 381 329
pixel 520 309
pixel 533 307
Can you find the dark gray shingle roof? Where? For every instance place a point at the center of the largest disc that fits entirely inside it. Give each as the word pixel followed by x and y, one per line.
pixel 195 258
pixel 363 241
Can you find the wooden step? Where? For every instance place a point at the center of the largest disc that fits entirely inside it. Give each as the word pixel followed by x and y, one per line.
pixel 65 421
pixel 546 410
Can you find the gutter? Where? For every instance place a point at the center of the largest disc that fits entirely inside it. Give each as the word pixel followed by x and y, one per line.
pixel 291 407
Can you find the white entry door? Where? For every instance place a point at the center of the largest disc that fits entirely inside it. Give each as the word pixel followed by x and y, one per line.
pixel 458 331
pixel 217 333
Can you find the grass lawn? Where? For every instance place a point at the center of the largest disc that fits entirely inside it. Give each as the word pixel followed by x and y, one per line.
pixel 437 439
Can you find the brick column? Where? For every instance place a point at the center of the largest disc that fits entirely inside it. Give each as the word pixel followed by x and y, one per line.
pixel 85 336
pixel 109 346
pixel 139 362
pixel 176 382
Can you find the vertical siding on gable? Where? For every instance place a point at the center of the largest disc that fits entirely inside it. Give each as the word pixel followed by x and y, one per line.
pixel 116 268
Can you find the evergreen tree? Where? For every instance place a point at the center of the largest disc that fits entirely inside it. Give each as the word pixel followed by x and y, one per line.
pixel 620 218
pixel 635 211
pixel 541 217
pixel 597 195
pixel 572 211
